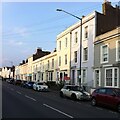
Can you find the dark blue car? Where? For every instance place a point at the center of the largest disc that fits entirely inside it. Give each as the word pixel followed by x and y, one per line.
pixel 29 84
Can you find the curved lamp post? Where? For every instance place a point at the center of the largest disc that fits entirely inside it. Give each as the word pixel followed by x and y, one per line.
pixel 60 10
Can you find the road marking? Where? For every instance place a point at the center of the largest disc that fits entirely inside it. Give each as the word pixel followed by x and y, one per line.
pixel 30 98
pixel 18 92
pixel 58 111
pixel 12 89
pixel 98 108
pixel 78 103
pixel 112 112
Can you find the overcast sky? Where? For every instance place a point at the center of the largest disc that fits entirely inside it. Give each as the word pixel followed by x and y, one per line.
pixel 28 25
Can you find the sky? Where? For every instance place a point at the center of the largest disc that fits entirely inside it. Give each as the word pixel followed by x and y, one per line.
pixel 29 25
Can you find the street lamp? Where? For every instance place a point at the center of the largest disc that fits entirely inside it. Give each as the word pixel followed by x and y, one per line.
pixel 60 10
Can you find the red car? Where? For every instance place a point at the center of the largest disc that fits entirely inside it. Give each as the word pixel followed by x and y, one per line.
pixel 106 96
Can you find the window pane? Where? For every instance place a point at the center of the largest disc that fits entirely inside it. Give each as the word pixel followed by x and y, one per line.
pixel 59 61
pixel 78 73
pixel 104 53
pixel 59 45
pixel 75 56
pixel 65 42
pixel 86 32
pixel 118 49
pixel 109 77
pixel 85 54
pixel 52 63
pixel 115 77
pixel 76 37
pixel 48 64
pixel 84 76
pixel 65 59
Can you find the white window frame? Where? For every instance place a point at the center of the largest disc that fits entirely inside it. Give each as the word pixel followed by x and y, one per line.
pixel 113 73
pixel 101 52
pixel 117 58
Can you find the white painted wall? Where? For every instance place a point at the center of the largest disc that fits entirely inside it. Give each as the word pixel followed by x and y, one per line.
pixel 85 43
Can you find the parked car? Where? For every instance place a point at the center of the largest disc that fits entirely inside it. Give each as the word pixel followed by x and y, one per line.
pixel 75 92
pixel 23 83
pixel 107 97
pixel 29 84
pixel 8 80
pixel 40 86
pixel 12 81
pixel 18 82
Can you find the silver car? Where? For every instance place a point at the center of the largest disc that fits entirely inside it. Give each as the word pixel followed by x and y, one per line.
pixel 40 86
pixel 75 92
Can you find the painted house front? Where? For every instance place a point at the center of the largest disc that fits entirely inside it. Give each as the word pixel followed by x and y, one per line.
pixel 50 67
pixel 87 56
pixel 17 72
pixel 6 72
pixel 63 55
pixel 44 68
pixel 107 59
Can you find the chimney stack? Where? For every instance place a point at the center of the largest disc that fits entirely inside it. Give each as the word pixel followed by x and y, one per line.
pixel 106 6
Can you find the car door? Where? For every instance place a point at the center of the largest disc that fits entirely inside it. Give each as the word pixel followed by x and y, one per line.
pixel 67 91
pixel 111 98
pixel 101 96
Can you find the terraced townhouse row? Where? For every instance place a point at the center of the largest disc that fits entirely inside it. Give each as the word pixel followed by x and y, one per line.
pixel 100 63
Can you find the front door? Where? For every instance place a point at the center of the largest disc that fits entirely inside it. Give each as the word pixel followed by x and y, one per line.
pixel 73 76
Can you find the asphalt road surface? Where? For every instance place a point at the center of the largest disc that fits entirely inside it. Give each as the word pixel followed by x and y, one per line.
pixel 18 102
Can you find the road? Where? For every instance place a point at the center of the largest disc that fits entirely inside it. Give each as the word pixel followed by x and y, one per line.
pixel 18 102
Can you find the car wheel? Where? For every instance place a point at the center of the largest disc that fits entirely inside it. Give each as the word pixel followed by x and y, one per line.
pixel 93 102
pixel 118 108
pixel 61 94
pixel 73 96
